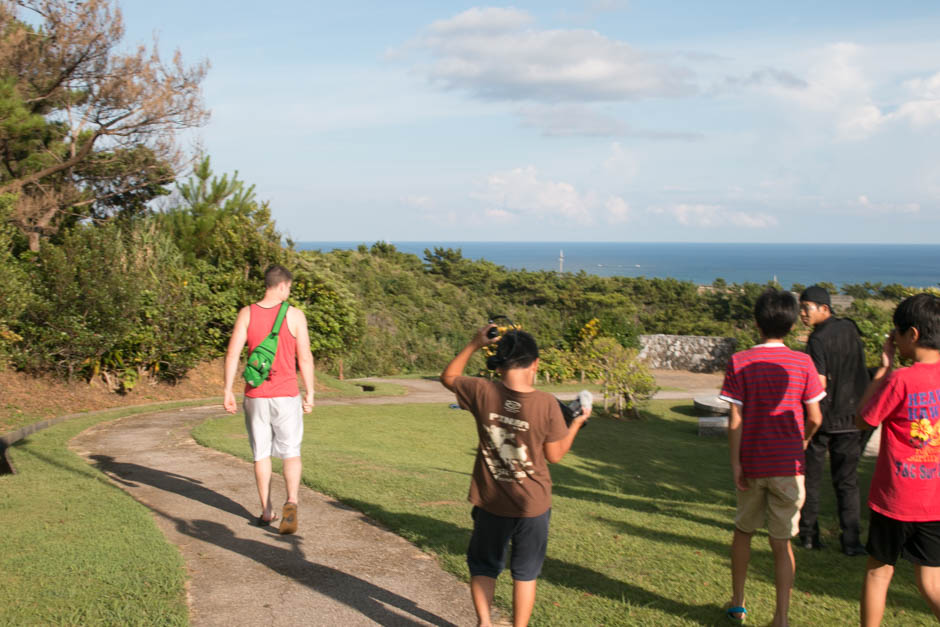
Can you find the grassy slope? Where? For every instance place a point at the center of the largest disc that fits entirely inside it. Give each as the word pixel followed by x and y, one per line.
pixel 641 522
pixel 77 550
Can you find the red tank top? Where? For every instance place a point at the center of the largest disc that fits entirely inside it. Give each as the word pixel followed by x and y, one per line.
pixel 283 378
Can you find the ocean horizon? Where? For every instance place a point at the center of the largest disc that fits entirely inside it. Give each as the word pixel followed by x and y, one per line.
pixel 914 265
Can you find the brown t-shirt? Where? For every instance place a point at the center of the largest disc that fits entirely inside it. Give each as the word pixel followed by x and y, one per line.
pixel 510 475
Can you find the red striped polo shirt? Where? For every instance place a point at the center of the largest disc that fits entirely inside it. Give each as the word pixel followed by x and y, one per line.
pixel 771 383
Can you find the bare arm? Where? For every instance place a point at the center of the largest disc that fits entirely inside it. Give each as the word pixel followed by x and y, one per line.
pixel 822 380
pixel 887 365
pixel 304 357
pixel 232 356
pixel 456 366
pixel 555 451
pixel 734 446
pixel 812 423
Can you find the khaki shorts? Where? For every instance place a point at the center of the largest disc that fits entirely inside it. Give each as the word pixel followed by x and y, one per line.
pixel 777 498
pixel 275 426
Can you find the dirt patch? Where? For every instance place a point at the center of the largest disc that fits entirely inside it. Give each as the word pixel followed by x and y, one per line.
pixel 682 380
pixel 25 399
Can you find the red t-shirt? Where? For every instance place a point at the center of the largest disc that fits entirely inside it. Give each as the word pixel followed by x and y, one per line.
pixel 282 380
pixel 906 483
pixel 771 383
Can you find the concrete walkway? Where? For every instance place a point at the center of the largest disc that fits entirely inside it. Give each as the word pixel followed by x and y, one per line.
pixel 340 569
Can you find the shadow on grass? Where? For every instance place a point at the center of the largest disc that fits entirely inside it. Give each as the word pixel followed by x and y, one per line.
pixel 686 410
pixel 444 537
pixel 660 507
pixel 653 458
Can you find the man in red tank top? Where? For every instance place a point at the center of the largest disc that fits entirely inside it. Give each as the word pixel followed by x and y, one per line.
pixel 273 410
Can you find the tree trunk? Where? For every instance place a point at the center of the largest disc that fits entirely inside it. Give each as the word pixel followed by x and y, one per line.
pixel 340 368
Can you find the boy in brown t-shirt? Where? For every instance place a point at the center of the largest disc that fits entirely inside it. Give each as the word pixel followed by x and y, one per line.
pixel 521 430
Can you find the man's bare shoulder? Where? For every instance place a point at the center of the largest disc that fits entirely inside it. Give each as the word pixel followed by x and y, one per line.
pixel 296 313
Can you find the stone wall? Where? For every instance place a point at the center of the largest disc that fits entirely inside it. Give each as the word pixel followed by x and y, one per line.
pixel 695 353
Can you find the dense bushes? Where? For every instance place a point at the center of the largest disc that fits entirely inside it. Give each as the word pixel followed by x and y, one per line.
pixel 152 294
pixel 115 302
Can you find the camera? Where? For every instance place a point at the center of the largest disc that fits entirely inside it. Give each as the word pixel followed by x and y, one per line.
pixel 575 408
pixel 500 326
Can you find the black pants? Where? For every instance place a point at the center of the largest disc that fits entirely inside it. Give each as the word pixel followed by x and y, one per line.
pixel 844 451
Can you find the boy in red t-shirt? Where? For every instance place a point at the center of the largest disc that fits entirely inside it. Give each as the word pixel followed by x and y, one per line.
pixel 905 490
pixel 768 386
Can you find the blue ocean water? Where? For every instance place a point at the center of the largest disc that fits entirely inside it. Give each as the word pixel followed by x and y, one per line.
pixel 911 265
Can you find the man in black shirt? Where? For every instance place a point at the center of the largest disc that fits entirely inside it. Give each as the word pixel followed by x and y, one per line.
pixel 837 351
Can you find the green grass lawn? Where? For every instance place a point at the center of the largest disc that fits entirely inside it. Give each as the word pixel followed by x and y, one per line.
pixel 352 389
pixel 76 550
pixel 641 522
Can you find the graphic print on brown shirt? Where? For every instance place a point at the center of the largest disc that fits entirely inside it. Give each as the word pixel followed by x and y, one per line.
pixel 510 475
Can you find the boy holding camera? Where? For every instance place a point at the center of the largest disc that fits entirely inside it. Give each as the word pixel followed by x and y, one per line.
pixel 905 490
pixel 520 431
pixel 768 387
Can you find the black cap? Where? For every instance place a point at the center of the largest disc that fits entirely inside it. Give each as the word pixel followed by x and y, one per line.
pixel 816 294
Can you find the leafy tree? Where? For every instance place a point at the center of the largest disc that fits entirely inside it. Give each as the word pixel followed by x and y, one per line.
pixel 333 315
pixel 86 130
pixel 15 292
pixel 228 238
pixel 114 303
pixel 624 377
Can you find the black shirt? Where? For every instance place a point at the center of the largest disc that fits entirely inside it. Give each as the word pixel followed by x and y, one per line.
pixel 837 351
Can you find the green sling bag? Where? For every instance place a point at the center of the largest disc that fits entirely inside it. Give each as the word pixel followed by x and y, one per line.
pixel 260 359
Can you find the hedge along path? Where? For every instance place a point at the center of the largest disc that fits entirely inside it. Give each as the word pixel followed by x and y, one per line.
pixel 340 568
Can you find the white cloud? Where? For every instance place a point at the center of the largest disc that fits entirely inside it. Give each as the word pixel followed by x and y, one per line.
pixel 520 192
pixel 868 206
pixel 618 210
pixel 715 216
pixel 567 120
pixel 498 215
pixel 838 85
pixel 495 53
pixel 621 164
pixel 420 202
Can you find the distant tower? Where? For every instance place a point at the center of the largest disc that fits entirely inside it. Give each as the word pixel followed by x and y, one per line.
pixel 561 262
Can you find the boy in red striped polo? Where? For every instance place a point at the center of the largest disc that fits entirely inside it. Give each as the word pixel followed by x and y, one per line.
pixel 768 387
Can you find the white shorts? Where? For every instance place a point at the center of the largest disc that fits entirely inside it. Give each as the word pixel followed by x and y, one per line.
pixel 275 426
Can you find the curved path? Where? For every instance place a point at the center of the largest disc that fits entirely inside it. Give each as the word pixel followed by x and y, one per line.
pixel 339 569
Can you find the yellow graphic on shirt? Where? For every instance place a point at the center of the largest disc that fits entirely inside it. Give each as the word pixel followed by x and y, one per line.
pixel 925 436
pixel 921 431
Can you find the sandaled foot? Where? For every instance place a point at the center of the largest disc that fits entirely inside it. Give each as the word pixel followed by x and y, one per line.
pixel 264 522
pixel 736 614
pixel 289 518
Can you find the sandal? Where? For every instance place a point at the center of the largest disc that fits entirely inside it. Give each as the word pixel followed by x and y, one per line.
pixel 263 522
pixel 736 614
pixel 289 518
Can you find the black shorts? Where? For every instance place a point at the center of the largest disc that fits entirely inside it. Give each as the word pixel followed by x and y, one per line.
pixel 486 555
pixel 917 542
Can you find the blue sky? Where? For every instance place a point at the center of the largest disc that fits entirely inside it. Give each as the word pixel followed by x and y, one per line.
pixel 599 120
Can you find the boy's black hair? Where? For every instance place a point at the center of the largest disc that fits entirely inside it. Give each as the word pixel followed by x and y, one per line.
pixel 923 312
pixel 277 274
pixel 516 349
pixel 775 312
